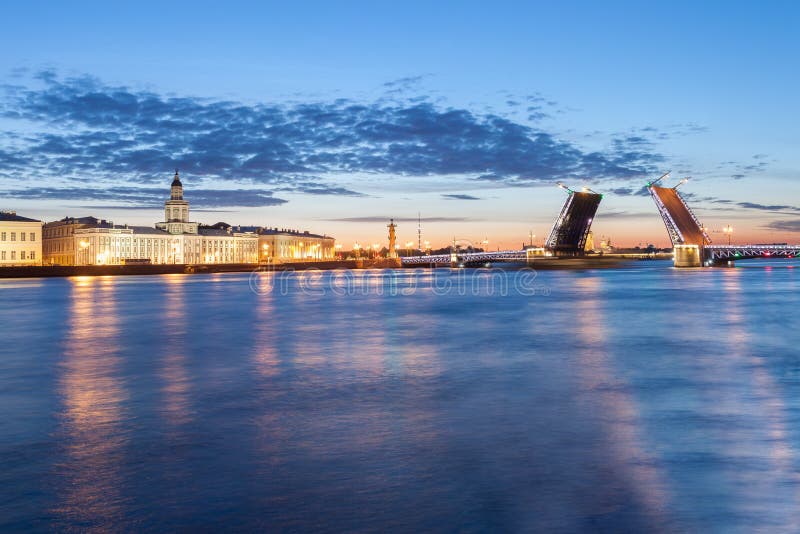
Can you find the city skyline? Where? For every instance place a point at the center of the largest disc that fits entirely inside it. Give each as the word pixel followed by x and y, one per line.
pixel 337 118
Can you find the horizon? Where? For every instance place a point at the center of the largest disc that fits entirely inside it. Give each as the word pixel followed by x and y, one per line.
pixel 337 118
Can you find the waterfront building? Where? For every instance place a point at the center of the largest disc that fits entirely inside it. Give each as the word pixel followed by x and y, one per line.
pixel 174 240
pixel 20 240
pixel 286 246
pixel 58 238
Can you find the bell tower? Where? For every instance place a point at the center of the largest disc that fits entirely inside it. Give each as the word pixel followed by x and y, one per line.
pixel 176 211
pixel 177 187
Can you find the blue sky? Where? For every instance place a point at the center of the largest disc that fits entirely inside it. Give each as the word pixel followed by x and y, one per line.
pixel 333 116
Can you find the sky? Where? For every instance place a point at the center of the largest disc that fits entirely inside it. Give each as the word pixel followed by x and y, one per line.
pixel 335 116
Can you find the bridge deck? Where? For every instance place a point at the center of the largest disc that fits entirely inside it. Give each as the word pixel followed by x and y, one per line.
pixel 742 252
pixel 571 229
pixel 471 257
pixel 681 223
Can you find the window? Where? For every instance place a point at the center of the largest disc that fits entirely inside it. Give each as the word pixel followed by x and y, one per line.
pixel 3 236
pixel 13 237
pixel 33 236
pixel 22 236
pixel 22 254
pixel 33 255
pixel 3 255
pixel 13 254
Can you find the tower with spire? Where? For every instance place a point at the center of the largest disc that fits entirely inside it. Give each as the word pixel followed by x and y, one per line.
pixel 176 211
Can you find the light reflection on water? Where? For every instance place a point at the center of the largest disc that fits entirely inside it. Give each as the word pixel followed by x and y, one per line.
pixel 646 399
pixel 91 424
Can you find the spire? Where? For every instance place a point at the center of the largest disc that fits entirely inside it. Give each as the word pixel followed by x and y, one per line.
pixel 176 180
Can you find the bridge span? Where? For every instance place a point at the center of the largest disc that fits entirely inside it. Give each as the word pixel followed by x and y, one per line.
pixel 469 258
pixel 690 242
pixel 567 237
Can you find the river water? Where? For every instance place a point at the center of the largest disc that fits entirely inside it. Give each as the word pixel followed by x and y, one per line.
pixel 639 399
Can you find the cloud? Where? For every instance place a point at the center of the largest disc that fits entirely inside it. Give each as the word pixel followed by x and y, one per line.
pixel 81 129
pixel 149 197
pixel 785 226
pixel 630 191
pixel 625 215
pixel 777 208
pixel 767 207
pixel 460 197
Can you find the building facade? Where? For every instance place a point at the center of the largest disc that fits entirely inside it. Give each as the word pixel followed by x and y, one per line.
pixel 58 238
pixel 20 240
pixel 174 240
pixel 285 246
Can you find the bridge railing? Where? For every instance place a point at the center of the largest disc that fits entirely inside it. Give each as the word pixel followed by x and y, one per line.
pixel 751 251
pixel 503 255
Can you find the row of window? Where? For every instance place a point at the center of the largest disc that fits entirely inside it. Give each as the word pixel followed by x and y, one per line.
pixel 48 232
pixel 31 255
pixel 4 235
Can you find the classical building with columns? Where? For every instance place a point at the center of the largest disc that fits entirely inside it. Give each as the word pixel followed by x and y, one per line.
pixel 58 238
pixel 286 246
pixel 174 240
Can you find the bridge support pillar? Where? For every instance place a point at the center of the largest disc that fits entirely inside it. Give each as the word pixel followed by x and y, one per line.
pixel 687 256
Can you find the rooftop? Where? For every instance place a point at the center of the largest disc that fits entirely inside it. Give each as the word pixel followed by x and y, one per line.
pixel 13 217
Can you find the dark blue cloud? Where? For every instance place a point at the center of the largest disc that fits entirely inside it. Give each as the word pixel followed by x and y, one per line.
pixel 460 196
pixel 785 226
pixel 149 197
pixel 84 129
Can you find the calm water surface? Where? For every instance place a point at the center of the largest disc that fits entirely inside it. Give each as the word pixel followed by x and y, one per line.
pixel 645 399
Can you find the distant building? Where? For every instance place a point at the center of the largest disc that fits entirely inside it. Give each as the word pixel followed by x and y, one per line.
pixel 285 246
pixel 20 240
pixel 174 240
pixel 58 238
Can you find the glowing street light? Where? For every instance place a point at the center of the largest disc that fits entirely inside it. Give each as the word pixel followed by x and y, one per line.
pixel 728 230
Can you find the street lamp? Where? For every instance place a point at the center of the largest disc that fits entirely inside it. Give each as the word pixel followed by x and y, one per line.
pixel 728 230
pixel 357 248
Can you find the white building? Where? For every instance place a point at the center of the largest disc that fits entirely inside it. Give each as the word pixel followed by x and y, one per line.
pixel 175 240
pixel 286 246
pixel 58 238
pixel 20 240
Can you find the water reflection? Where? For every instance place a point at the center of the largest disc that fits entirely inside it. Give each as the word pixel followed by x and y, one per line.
pixel 758 408
pixel 176 405
pixel 92 496
pixel 633 473
pixel 265 333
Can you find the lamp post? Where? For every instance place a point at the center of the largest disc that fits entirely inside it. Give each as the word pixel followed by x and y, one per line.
pixel 357 249
pixel 338 248
pixel 409 244
pixel 728 230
